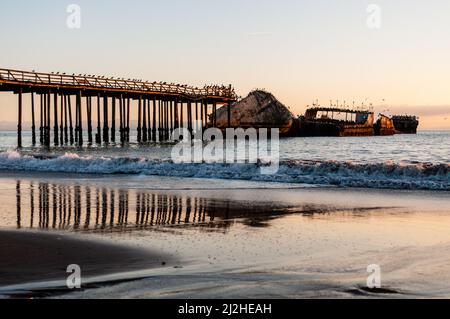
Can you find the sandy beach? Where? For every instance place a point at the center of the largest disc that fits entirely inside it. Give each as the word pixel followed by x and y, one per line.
pixel 234 239
pixel 33 257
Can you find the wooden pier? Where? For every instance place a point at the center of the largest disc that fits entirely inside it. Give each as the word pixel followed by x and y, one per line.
pixel 160 107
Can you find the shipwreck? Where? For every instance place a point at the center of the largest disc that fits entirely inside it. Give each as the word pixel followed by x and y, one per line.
pixel 260 109
pixel 330 121
pixel 405 124
pixel 384 126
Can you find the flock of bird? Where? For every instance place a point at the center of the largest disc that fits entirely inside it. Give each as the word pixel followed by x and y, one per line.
pixel 209 88
pixel 220 90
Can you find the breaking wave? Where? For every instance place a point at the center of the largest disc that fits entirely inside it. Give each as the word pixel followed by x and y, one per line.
pixel 389 175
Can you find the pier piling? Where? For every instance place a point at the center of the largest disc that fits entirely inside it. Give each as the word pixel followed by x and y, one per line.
pixel 128 120
pixel 149 120
pixel 98 136
pixel 33 121
pixel 61 120
pixel 121 119
pixel 139 128
pixel 19 125
pixel 113 120
pixel 175 110
pixel 144 121
pixel 89 119
pixel 202 111
pixel 71 132
pixel 229 115
pixel 55 120
pixel 41 123
pixel 80 120
pixel 66 132
pixel 196 115
pixel 47 139
pixel 105 120
pixel 77 127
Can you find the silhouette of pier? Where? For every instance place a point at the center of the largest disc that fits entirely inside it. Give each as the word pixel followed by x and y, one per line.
pixel 161 108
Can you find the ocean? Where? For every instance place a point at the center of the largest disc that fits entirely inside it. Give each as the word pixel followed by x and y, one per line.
pixel 335 207
pixel 395 162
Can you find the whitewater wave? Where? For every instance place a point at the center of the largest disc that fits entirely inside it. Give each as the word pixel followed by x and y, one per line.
pixel 389 175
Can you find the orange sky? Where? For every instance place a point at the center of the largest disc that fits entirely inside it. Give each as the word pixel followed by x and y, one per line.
pixel 300 50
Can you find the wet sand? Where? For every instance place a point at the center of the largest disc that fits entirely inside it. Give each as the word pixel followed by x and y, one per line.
pixel 38 257
pixel 233 239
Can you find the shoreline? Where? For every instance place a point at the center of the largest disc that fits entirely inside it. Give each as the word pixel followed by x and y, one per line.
pixel 226 243
pixel 221 183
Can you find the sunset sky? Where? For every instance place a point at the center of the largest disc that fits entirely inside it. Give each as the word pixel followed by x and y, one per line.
pixel 299 50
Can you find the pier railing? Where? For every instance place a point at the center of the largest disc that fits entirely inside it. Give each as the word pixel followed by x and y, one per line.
pixel 101 82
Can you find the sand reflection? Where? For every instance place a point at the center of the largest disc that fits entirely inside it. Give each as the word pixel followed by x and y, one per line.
pixel 42 205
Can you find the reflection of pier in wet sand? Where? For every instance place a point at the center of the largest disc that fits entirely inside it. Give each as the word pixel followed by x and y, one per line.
pixel 88 208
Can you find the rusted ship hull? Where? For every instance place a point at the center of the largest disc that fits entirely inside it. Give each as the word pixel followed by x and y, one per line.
pixel 314 128
pixel 259 110
pixel 406 124
pixel 384 126
pixel 322 121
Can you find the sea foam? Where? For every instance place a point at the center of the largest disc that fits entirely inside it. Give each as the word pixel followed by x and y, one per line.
pixel 388 175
